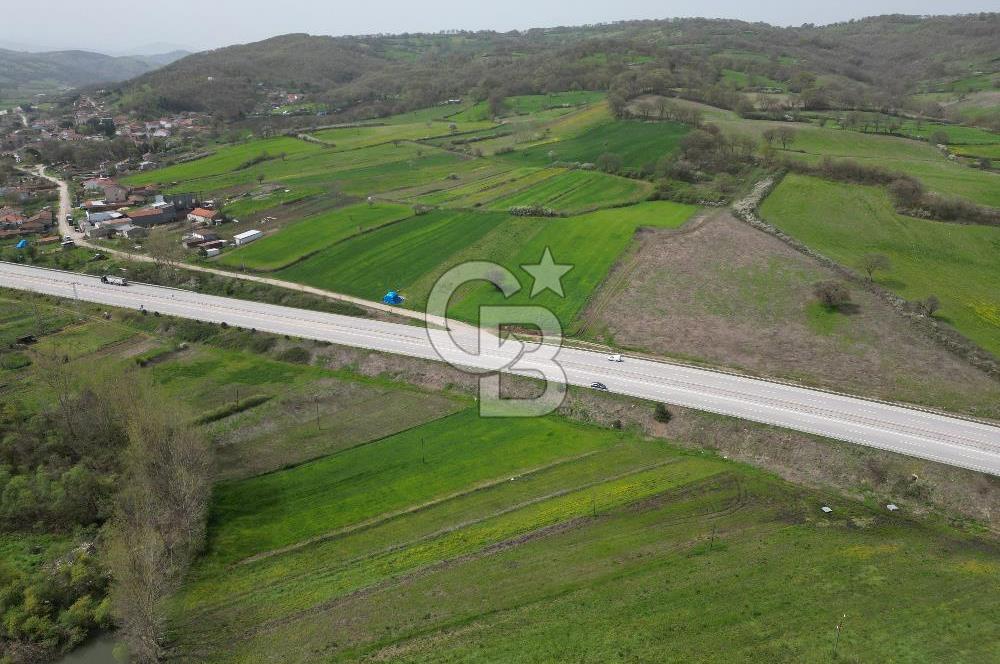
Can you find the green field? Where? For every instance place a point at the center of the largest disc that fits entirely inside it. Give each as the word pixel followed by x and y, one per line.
pixel 480 191
pixel 534 540
pixel 352 138
pixel 256 203
pixel 530 104
pixel 393 257
pixel 410 256
pixel 576 191
pixel 314 167
pixel 957 263
pixel 637 143
pixel 590 242
pixel 312 234
pixel 915 158
pixel 227 159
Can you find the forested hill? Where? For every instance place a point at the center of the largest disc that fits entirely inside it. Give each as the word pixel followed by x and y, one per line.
pixel 867 61
pixel 74 68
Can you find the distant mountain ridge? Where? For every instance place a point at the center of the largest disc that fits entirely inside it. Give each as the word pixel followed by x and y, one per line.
pixel 75 68
pixel 875 60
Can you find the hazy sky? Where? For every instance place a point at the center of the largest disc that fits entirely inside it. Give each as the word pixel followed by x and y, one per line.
pixel 118 26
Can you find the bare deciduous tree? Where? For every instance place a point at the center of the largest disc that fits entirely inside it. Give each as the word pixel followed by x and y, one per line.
pixel 159 520
pixel 872 263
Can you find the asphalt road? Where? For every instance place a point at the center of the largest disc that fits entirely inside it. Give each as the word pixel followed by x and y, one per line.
pixel 928 435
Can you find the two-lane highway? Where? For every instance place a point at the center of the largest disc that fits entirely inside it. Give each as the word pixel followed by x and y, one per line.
pixel 928 435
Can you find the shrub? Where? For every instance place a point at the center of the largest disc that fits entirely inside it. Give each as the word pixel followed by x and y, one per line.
pixel 662 413
pixel 296 355
pixel 832 294
pixel 609 162
pixel 532 211
pixel 232 408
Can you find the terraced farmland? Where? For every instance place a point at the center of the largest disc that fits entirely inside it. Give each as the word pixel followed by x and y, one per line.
pixel 957 263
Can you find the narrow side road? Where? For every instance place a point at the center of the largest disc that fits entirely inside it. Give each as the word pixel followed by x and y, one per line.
pixel 67 230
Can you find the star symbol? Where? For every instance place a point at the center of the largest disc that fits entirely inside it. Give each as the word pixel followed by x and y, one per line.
pixel 547 274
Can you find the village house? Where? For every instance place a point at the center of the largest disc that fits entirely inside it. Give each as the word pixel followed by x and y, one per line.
pixel 150 216
pixel 203 215
pixel 132 232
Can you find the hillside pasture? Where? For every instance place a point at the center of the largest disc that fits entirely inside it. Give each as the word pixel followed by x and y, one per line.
pixel 957 263
pixel 313 234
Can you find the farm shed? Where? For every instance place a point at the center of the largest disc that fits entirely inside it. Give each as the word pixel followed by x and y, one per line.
pixel 246 237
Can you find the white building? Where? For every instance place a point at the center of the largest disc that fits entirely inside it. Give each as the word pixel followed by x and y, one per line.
pixel 246 237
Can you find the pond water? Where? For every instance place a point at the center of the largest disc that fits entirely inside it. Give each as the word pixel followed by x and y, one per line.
pixel 96 651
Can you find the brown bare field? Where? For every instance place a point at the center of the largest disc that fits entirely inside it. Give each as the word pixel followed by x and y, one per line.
pixel 722 293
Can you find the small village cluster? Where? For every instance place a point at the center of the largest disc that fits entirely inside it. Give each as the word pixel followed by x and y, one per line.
pixel 117 211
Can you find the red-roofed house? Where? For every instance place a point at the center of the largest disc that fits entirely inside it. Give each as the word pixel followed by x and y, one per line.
pixel 202 215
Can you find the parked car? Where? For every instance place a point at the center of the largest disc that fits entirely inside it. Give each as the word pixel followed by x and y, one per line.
pixel 599 386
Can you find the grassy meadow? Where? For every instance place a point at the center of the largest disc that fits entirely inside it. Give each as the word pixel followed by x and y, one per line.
pixel 352 138
pixel 313 234
pixel 530 540
pixel 590 242
pixel 393 257
pixel 957 263
pixel 530 105
pixel 576 191
pixel 912 157
pixel 637 143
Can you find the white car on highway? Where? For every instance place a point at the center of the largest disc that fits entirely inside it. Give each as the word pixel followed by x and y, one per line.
pixel 615 358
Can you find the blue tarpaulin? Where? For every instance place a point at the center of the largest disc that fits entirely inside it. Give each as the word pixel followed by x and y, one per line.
pixel 392 297
pixel 21 244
